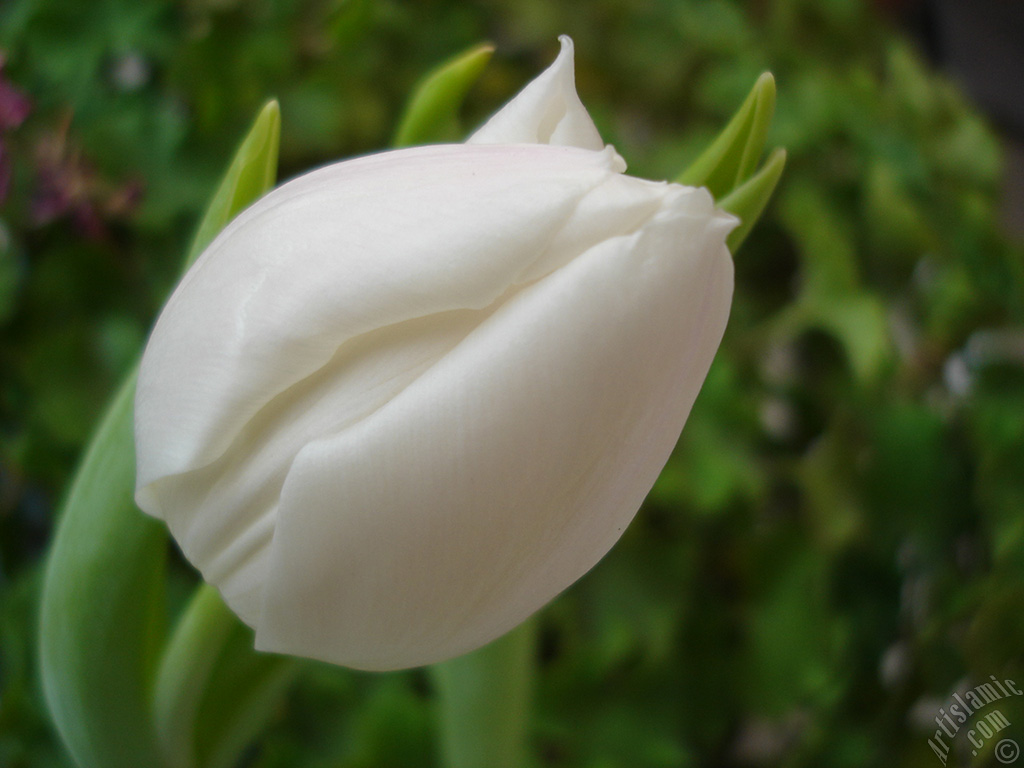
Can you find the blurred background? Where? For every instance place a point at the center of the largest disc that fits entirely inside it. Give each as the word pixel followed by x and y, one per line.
pixel 838 542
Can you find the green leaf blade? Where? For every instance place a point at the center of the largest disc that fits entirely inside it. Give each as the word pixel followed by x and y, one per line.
pixel 102 604
pixel 732 156
pixel 213 691
pixel 764 111
pixel 748 201
pixel 244 691
pixel 185 668
pixel 431 114
pixel 252 172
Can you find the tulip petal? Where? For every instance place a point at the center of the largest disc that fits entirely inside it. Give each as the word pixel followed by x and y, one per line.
pixel 546 111
pixel 431 238
pixel 403 401
pixel 375 266
pixel 511 466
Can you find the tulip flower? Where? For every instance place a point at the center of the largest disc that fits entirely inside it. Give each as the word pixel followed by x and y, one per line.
pixel 403 401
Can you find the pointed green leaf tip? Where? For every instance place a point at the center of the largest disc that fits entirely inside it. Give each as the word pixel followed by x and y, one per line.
pixel 749 199
pixel 252 172
pixel 102 606
pixel 764 111
pixel 727 166
pixel 732 156
pixel 431 114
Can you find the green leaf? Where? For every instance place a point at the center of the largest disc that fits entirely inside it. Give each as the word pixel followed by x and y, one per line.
pixel 103 591
pixel 213 692
pixel 185 669
pixel 432 112
pixel 252 172
pixel 733 155
pixel 748 201
pixel 244 692
pixel 764 110
pixel 102 604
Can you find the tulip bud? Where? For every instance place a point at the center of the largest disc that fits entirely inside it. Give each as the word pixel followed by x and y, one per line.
pixel 403 401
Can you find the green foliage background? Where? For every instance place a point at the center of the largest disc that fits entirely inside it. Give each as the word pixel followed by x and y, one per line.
pixel 838 541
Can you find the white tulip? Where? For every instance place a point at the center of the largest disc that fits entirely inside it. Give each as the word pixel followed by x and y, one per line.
pixel 403 401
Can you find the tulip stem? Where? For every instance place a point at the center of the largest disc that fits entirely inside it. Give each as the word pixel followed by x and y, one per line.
pixel 484 702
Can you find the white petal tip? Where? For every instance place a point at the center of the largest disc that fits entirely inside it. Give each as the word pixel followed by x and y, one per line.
pixel 546 111
pixel 614 159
